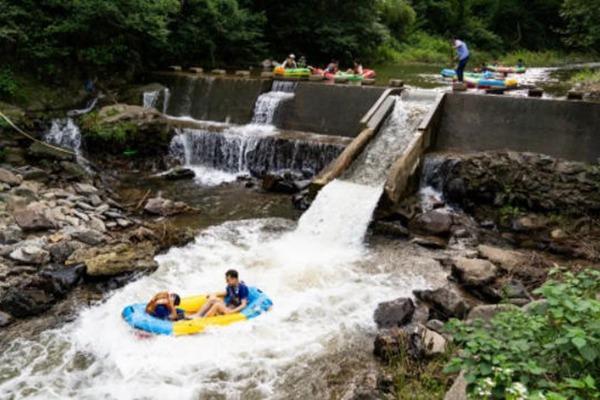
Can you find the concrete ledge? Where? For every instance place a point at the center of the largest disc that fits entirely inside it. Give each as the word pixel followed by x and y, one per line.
pixel 388 92
pixel 316 78
pixel 368 82
pixel 176 68
pixel 396 83
pixel 218 72
pixel 242 73
pixel 397 183
pixel 266 75
pixel 197 70
pixel 339 79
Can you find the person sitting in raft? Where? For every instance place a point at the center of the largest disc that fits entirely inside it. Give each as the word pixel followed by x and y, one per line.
pixel 290 62
pixel 302 62
pixel 357 69
pixel 520 63
pixel 234 299
pixel 333 67
pixel 164 306
pixel 462 54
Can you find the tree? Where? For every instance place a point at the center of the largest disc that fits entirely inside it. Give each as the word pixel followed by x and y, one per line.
pixel 582 28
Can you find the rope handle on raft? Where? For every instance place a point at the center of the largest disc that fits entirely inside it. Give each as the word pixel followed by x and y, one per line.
pixel 30 137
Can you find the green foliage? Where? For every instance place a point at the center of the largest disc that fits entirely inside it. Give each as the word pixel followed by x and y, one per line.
pixel 8 84
pixel 587 76
pixel 543 354
pixel 116 133
pixel 582 29
pixel 398 16
pixel 544 58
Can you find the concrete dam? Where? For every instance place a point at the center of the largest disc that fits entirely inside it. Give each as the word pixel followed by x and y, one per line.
pixel 368 135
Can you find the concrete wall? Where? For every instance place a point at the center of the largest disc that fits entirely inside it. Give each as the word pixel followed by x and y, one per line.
pixel 559 128
pixel 213 98
pixel 328 109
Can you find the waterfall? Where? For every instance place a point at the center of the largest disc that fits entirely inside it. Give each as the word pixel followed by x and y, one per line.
pixel 152 99
pixel 248 149
pixel 267 103
pixel 64 133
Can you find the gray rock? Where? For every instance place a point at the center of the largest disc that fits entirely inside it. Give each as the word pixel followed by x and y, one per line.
pixel 458 390
pixel 73 170
pixel 435 325
pixel 40 151
pixel 97 224
pixel 9 178
pixel 88 236
pixel 487 311
pixel 95 200
pixel 432 223
pixel 165 207
pixel 10 234
pixel 84 206
pixel 34 174
pixel 124 223
pixel 62 250
pixel 446 301
pixel 5 319
pixel 536 307
pixel 432 242
pixel 505 259
pixel 394 313
pixel 85 189
pixel 474 272
pixel 33 218
pixel 515 290
pixel 63 279
pixel 179 173
pixel 30 255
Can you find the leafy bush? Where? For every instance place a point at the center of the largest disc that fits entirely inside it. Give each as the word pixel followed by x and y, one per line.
pixel 587 76
pixel 544 58
pixel 552 352
pixel 8 84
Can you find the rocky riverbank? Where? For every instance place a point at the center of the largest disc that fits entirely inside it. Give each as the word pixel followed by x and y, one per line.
pixel 63 226
pixel 500 221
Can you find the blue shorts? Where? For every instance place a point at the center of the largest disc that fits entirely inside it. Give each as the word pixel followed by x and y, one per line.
pixel 162 312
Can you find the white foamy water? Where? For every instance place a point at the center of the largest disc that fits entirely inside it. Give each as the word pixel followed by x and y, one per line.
pixel 267 103
pixel 150 98
pixel 321 280
pixel 89 107
pixel 64 133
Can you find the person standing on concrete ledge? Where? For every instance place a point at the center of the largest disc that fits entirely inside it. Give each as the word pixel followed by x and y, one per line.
pixel 462 54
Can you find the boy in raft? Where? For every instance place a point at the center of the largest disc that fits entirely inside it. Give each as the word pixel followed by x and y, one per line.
pixel 234 299
pixel 462 54
pixel 164 306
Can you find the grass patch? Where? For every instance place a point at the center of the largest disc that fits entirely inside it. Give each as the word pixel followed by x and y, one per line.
pixel 586 77
pixel 547 58
pixel 117 133
pixel 419 380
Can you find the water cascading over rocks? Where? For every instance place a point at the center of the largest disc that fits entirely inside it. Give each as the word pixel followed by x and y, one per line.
pixel 64 133
pixel 244 150
pixel 267 103
pixel 154 98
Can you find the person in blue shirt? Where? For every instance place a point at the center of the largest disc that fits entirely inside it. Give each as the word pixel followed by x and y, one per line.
pixel 462 54
pixel 234 299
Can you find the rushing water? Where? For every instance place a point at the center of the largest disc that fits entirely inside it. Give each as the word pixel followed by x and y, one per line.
pixel 399 129
pixel 64 132
pixel 153 98
pixel 267 103
pixel 323 282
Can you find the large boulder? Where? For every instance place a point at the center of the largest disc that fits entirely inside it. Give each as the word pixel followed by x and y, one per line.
pixel 458 390
pixel 474 272
pixel 433 222
pixel 116 259
pixel 394 313
pixel 508 260
pixel 33 217
pixel 445 301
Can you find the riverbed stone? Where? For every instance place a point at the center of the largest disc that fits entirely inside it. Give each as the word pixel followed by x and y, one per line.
pixel 394 313
pixel 88 236
pixel 9 178
pixel 458 390
pixel 446 301
pixel 40 151
pixel 61 251
pixel 178 173
pixel 30 254
pixel 474 272
pixel 165 207
pixel 486 312
pixel 433 222
pixel 5 319
pixel 63 279
pixel 508 260
pixel 85 188
pixel 33 218
pixel 10 234
pixel 116 259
